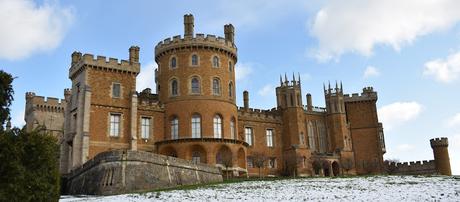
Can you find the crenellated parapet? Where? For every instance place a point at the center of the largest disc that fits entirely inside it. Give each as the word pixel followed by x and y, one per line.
pixel 439 142
pixel 314 110
pixel 412 168
pixel 368 94
pixel 200 41
pixel 45 104
pixel 80 62
pixel 272 115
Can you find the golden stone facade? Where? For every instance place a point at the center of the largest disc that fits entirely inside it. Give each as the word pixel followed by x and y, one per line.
pixel 193 114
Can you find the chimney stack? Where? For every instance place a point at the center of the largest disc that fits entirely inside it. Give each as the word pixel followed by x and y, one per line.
pixel 188 25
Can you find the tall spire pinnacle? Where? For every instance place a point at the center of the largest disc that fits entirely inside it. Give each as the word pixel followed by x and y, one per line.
pixel 341 86
pixel 293 79
pixel 298 74
pixel 281 80
pixel 286 82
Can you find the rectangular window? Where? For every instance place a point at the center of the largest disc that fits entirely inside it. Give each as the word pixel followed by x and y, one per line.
pixel 175 129
pixel 249 160
pixel 196 159
pixel 232 129
pixel 115 125
pixel 196 126
pixel 269 133
pixel 145 127
pixel 116 88
pixel 248 134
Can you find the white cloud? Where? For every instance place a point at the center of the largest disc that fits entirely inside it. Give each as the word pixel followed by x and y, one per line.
pixel 444 70
pixel 358 26
pixel 146 78
pixel 242 70
pixel 27 28
pixel 405 147
pixel 371 71
pixel 397 113
pixel 266 90
pixel 18 119
pixel 454 121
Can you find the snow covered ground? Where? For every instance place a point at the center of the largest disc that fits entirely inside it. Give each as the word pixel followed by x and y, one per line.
pixel 379 188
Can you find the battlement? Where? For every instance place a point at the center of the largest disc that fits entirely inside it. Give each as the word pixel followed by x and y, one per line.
pixel 199 41
pixel 439 142
pixel 271 114
pixel 315 109
pixel 368 94
pixel 412 168
pixel 79 61
pixel 44 103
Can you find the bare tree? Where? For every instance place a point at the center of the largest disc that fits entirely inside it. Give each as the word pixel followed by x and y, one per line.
pixel 347 164
pixel 259 160
pixel 226 161
pixel 291 160
pixel 317 166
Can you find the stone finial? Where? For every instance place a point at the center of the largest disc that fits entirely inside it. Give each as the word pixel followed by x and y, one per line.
pixel 188 25
pixel 229 32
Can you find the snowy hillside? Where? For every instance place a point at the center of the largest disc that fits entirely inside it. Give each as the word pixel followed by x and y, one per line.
pixel 393 188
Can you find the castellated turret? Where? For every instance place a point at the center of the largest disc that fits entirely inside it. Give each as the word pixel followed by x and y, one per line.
pixel 441 155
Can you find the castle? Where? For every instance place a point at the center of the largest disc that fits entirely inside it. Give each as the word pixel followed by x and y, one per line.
pixel 193 115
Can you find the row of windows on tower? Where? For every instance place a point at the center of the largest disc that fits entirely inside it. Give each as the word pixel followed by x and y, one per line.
pixel 195 61
pixel 115 123
pixel 195 87
pixel 196 127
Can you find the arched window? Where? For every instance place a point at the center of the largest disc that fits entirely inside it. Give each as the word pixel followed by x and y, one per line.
pixel 195 84
pixel 174 87
pixel 174 128
pixel 173 62
pixel 232 129
pixel 196 126
pixel 230 66
pixel 216 86
pixel 194 60
pixel 217 126
pixel 215 61
pixel 230 89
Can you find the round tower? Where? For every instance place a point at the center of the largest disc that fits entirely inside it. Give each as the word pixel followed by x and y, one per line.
pixel 196 83
pixel 441 155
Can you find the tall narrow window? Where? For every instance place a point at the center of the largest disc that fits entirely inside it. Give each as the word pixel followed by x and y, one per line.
pixel 217 126
pixel 195 85
pixel 194 60
pixel 145 127
pixel 173 62
pixel 215 61
pixel 311 136
pixel 174 87
pixel 248 134
pixel 230 89
pixel 301 139
pixel 196 126
pixel 116 88
pixel 115 125
pixel 230 66
pixel 175 128
pixel 269 133
pixel 232 129
pixel 216 86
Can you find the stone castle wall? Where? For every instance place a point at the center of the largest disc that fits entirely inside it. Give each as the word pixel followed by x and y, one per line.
pixel 116 172
pixel 412 168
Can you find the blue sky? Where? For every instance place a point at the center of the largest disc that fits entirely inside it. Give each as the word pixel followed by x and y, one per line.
pixel 408 51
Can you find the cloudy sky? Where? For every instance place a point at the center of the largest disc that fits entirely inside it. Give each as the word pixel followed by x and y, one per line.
pixel 409 51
